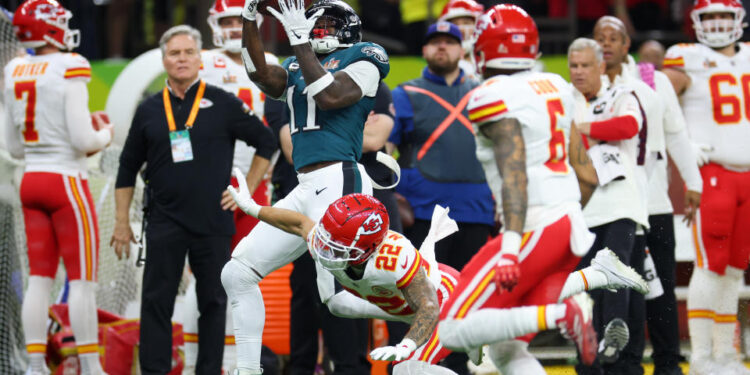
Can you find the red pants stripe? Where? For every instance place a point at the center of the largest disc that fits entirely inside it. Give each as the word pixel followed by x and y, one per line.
pixel 60 221
pixel 545 261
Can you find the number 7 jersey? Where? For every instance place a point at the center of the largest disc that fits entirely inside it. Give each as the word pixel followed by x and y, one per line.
pixel 543 105
pixel 716 103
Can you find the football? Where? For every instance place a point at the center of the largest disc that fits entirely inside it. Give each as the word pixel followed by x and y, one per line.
pixel 263 4
pixel 99 119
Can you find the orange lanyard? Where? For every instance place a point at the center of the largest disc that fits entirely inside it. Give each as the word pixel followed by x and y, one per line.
pixel 193 110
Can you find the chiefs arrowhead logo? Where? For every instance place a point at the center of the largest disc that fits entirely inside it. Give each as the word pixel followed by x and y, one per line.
pixel 373 224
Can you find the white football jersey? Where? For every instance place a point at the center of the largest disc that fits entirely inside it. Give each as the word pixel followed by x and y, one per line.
pixel 220 70
pixel 389 269
pixel 543 105
pixel 716 103
pixel 34 96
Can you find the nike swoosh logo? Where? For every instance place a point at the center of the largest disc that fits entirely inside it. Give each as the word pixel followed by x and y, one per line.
pixel 295 34
pixel 317 192
pixel 406 262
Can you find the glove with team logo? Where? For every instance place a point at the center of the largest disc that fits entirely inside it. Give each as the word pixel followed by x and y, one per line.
pixel 250 10
pixel 701 151
pixel 242 196
pixel 394 353
pixel 292 16
pixel 507 272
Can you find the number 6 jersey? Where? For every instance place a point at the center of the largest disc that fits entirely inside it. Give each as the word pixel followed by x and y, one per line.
pixel 716 103
pixel 543 105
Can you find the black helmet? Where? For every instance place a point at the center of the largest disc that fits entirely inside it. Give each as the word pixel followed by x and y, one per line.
pixel 345 20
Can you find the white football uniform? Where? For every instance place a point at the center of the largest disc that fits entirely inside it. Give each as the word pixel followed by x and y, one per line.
pixel 34 92
pixel 220 70
pixel 716 103
pixel 543 105
pixel 389 270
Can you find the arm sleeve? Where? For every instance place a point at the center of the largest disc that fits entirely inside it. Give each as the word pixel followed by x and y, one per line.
pixel 366 75
pixel 615 129
pixel 133 152
pixel 245 125
pixel 681 151
pixel 78 119
pixel 384 101
pixel 347 305
pixel 12 135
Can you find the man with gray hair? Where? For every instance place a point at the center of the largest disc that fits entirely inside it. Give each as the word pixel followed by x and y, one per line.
pixel 186 136
pixel 610 120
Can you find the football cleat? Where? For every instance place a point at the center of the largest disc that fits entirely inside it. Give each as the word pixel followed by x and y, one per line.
pixel 618 274
pixel 705 366
pixel 616 336
pixel 577 325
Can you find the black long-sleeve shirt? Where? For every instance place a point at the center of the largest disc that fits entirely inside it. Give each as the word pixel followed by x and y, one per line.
pixel 189 192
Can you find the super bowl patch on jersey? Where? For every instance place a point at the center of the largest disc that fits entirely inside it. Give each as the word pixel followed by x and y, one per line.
pixel 376 52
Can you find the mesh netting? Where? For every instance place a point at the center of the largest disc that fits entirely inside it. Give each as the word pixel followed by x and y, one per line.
pixel 118 281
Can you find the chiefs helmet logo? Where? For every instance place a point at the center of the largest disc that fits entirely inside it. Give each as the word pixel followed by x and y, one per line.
pixel 372 224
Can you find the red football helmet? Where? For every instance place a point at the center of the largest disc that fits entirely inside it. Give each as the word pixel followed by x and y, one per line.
pixel 463 8
pixel 506 38
pixel 40 22
pixel 351 229
pixel 223 36
pixel 718 32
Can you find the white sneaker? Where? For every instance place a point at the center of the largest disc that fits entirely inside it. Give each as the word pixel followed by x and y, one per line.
pixel 732 366
pixel 705 366
pixel 618 274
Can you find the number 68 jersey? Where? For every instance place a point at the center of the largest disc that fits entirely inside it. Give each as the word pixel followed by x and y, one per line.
pixel 544 106
pixel 391 268
pixel 716 103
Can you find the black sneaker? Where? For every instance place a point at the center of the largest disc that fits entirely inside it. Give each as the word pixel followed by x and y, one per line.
pixel 616 336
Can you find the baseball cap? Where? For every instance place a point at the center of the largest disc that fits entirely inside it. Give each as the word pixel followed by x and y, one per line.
pixel 445 28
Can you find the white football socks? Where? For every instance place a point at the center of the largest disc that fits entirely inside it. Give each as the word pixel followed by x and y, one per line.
pixel 34 313
pixel 491 325
pixel 725 321
pixel 190 326
pixel 703 292
pixel 582 281
pixel 84 322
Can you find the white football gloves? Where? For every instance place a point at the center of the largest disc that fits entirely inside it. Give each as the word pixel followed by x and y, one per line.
pixel 293 18
pixel 394 353
pixel 250 10
pixel 242 197
pixel 701 151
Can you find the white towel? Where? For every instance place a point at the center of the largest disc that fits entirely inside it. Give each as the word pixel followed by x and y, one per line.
pixel 442 226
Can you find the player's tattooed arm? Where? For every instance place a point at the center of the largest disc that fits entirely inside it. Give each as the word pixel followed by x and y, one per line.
pixel 510 156
pixel 342 92
pixel 271 79
pixel 422 298
pixel 581 163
